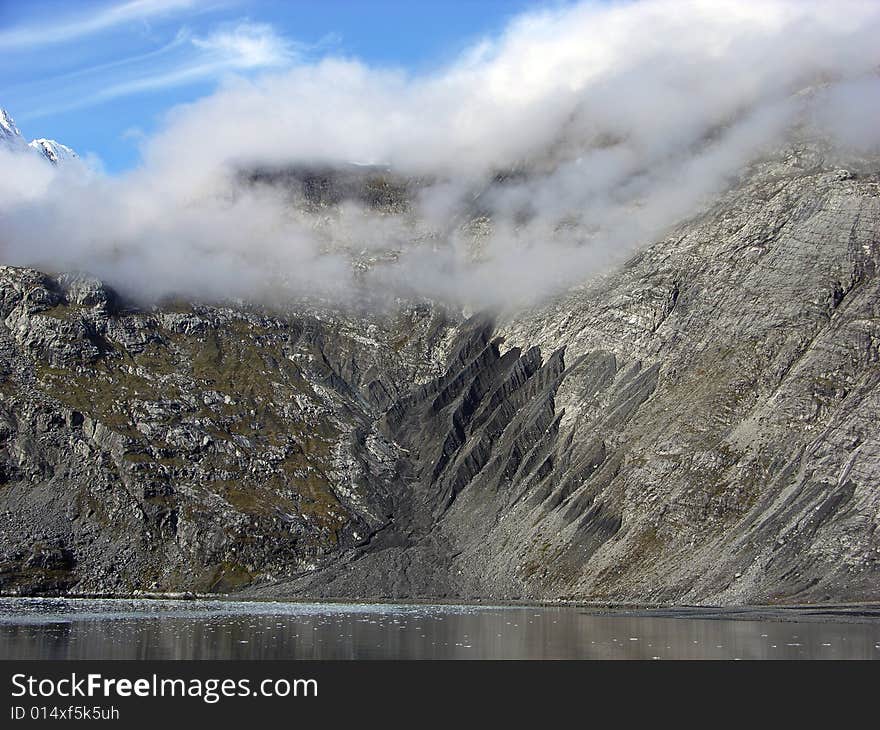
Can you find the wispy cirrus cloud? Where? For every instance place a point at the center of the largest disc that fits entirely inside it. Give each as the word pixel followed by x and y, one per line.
pixel 249 45
pixel 66 29
pixel 182 38
pixel 188 59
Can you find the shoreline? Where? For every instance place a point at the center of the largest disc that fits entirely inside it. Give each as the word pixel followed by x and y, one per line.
pixel 836 612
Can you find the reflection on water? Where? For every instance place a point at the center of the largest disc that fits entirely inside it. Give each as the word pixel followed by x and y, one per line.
pixel 123 629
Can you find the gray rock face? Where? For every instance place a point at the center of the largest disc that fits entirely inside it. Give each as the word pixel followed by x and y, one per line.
pixel 696 427
pixel 189 450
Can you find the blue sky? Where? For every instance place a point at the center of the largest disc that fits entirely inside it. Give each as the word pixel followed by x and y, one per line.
pixel 98 75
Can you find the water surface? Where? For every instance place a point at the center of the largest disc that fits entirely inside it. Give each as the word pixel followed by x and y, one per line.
pixel 32 628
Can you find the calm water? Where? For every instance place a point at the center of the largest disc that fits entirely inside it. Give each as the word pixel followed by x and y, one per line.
pixel 128 629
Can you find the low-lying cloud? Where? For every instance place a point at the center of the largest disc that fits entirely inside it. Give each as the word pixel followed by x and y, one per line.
pixel 606 122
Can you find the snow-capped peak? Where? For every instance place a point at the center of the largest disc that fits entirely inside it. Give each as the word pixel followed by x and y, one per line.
pixel 7 124
pixel 9 134
pixel 49 149
pixel 53 151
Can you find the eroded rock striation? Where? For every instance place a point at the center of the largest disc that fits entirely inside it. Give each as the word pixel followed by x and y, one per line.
pixel 698 426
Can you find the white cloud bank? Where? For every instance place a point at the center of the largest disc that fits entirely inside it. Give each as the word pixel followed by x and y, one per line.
pixel 626 116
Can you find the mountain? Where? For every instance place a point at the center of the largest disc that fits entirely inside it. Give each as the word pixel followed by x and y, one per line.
pixel 53 151
pixel 697 426
pixel 11 138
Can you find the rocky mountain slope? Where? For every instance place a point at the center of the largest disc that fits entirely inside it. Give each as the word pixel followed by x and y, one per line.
pixel 697 426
